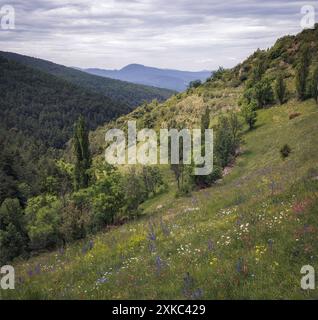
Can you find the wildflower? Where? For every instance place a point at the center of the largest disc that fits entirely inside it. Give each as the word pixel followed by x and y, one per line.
pixel 210 245
pixel 90 245
pixel 213 261
pixel 187 284
pixel 197 294
pixel 37 269
pixel 159 264
pixel 239 265
pixel 151 233
pixel 101 280
pixel 164 228
pixel 152 247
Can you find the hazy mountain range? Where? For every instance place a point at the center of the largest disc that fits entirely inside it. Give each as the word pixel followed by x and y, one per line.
pixel 161 78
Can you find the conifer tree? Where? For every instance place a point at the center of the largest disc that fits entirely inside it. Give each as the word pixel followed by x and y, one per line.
pixel 280 89
pixel 82 154
pixel 302 71
pixel 314 84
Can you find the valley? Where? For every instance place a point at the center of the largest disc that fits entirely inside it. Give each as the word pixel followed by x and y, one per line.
pixel 96 231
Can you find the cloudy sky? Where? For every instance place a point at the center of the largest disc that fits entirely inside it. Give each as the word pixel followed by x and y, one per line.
pixel 182 34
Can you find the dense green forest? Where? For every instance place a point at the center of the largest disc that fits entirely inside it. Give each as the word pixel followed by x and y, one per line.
pixel 45 107
pixel 121 92
pixel 39 104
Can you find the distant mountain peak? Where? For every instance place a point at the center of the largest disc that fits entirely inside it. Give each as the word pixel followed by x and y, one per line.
pixel 133 66
pixel 162 78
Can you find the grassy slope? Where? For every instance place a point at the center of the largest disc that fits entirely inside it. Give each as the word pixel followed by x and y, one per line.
pixel 263 200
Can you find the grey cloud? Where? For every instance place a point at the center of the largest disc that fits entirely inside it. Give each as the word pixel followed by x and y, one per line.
pixel 184 34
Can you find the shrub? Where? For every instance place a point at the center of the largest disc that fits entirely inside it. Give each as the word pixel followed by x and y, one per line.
pixel 263 93
pixel 75 223
pixel 195 84
pixel 13 236
pixel 134 191
pixel 43 221
pixel 285 151
pixel 249 114
pixel 294 115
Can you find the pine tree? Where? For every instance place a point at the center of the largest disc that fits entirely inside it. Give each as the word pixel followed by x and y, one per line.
pixel 302 71
pixel 280 89
pixel 314 84
pixel 82 154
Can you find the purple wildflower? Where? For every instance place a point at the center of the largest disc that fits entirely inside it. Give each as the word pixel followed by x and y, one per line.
pixel 37 269
pixel 197 294
pixel 90 245
pixel 210 245
pixel 164 228
pixel 159 264
pixel 188 288
pixel 152 247
pixel 102 280
pixel 270 244
pixel 152 236
pixel 239 266
pixel 187 285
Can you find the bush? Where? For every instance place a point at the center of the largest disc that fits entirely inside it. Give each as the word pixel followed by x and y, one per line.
pixel 263 93
pixel 102 201
pixel 285 151
pixel 75 222
pixel 43 221
pixel 135 191
pixel 13 236
pixel 195 84
pixel 249 114
pixel 294 115
pixel 208 180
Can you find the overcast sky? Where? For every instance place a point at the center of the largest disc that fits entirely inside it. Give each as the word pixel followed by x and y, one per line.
pixel 181 34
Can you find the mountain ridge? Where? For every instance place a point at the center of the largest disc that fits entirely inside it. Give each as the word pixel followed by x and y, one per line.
pixel 172 79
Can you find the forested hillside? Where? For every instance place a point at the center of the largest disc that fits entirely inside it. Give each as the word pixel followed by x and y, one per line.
pixel 39 104
pixel 121 92
pixel 45 107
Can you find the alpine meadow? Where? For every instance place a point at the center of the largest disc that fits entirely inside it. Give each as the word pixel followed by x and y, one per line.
pixel 76 227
